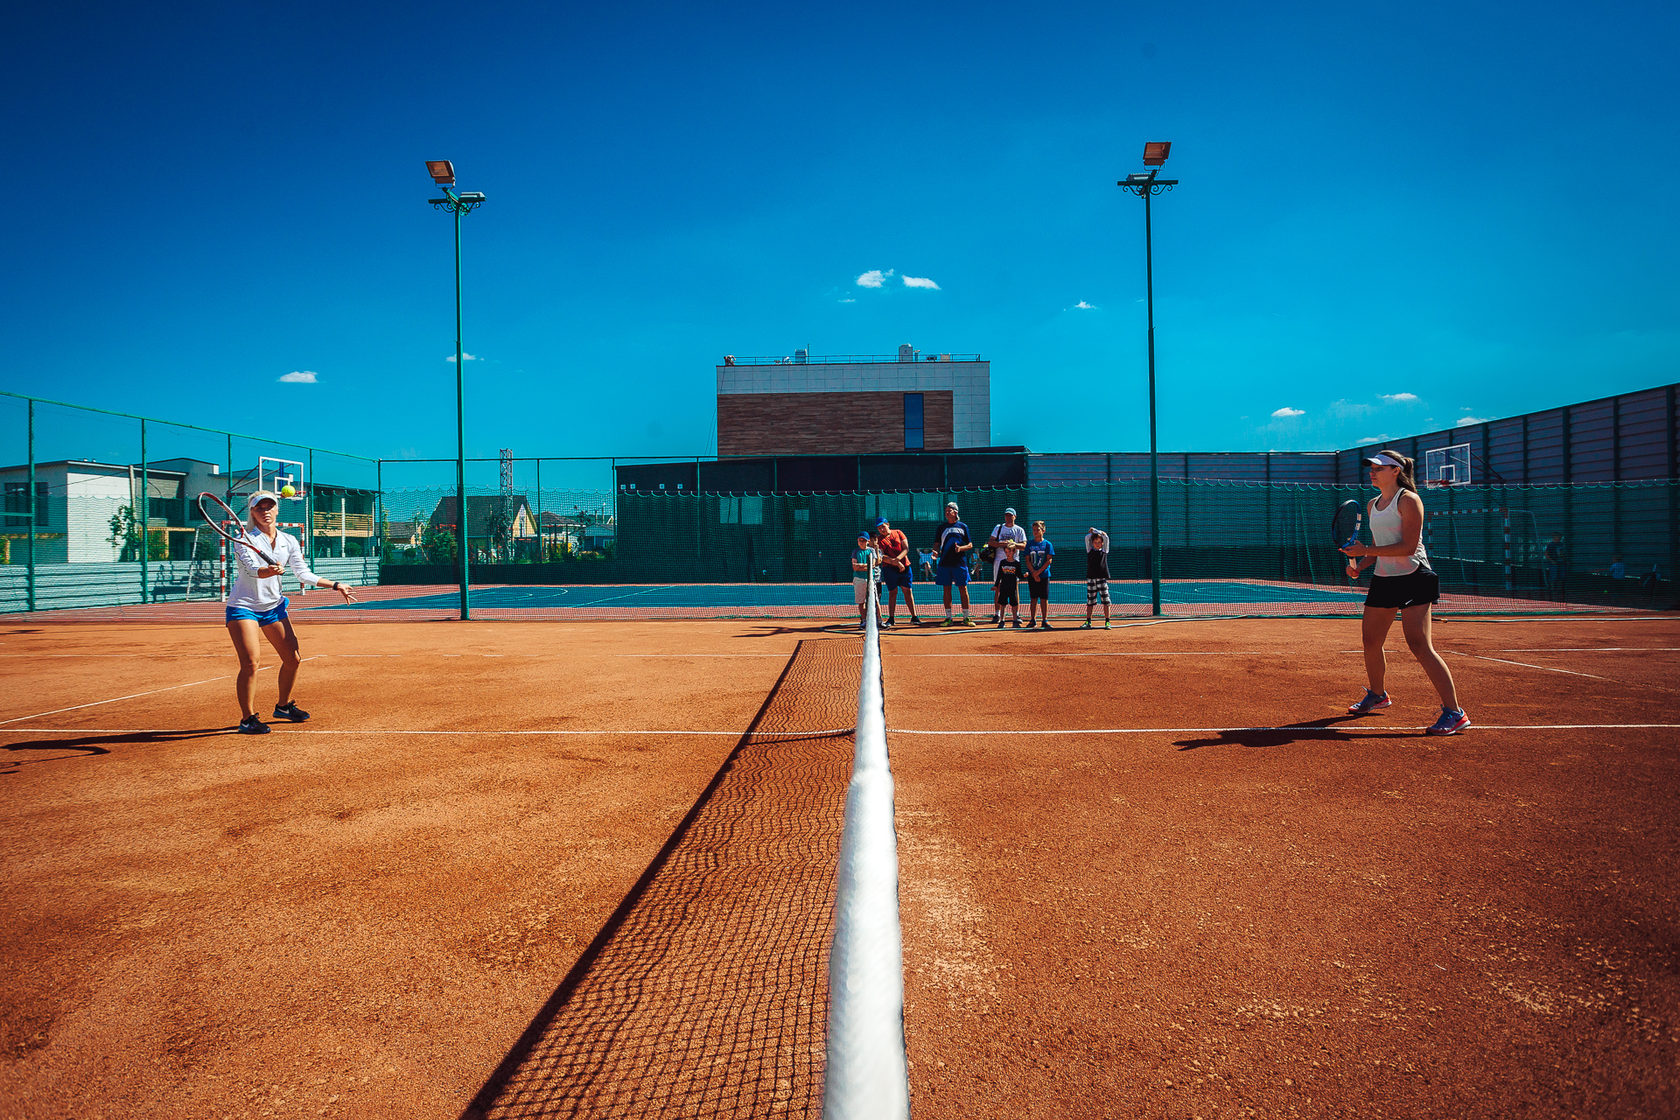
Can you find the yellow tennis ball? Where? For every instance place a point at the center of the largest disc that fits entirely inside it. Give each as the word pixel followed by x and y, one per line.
pixel 288 491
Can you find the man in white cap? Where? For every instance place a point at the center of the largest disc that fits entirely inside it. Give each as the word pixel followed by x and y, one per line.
pixel 1003 533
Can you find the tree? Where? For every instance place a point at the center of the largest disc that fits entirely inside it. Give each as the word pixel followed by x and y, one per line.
pixel 125 534
pixel 499 531
pixel 438 545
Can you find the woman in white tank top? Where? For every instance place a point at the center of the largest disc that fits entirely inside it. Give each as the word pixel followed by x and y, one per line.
pixel 1402 582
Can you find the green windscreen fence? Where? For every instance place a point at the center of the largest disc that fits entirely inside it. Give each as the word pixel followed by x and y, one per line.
pixel 99 508
pixel 1226 547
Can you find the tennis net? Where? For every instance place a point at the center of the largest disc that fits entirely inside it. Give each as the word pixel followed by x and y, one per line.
pixel 867 1076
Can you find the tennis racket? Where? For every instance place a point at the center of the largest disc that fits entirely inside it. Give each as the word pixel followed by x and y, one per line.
pixel 215 512
pixel 1344 527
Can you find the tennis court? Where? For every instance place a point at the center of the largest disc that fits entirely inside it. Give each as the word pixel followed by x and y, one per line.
pixel 511 869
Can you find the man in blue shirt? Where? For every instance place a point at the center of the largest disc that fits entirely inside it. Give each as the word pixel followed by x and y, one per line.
pixel 954 545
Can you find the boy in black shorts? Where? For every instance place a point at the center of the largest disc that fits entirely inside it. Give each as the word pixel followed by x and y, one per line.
pixel 1006 590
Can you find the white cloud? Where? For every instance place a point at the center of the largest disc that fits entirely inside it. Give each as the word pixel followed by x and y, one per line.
pixel 464 357
pixel 300 377
pixel 874 278
pixel 1083 306
pixel 1400 398
pixel 1287 413
pixel 920 282
pixel 849 299
pixel 1468 420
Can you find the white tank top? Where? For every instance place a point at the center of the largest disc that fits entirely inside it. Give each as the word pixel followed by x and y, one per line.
pixel 1385 529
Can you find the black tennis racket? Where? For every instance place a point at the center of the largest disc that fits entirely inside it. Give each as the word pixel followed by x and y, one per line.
pixel 1344 527
pixel 215 512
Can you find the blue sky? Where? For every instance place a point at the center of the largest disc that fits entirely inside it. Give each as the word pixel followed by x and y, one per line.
pixel 1391 217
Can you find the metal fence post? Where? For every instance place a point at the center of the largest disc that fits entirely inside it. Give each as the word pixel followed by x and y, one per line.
pixel 29 549
pixel 145 519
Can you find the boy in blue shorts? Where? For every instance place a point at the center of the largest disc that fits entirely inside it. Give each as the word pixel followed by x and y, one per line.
pixel 955 543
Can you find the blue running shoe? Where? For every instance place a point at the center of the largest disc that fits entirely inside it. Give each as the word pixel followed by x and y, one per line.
pixel 1450 723
pixel 251 725
pixel 290 710
pixel 1372 701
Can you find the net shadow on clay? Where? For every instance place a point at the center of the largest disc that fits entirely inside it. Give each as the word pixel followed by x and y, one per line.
pixel 705 993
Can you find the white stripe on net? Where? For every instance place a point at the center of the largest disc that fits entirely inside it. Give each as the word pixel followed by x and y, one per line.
pixel 867 1076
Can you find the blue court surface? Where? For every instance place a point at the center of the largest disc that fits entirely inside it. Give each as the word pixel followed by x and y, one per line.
pixel 758 595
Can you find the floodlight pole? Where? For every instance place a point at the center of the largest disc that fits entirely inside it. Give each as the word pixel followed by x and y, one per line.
pixel 1146 186
pixel 458 203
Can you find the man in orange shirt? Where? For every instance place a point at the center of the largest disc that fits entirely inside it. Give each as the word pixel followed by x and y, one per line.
pixel 896 570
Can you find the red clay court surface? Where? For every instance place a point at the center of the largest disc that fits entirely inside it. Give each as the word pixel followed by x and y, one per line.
pixel 519 869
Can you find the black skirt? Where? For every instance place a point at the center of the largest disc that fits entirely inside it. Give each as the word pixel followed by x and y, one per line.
pixel 1411 590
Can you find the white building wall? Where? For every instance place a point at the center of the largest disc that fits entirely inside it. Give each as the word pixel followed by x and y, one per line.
pixel 970 385
pixel 91 500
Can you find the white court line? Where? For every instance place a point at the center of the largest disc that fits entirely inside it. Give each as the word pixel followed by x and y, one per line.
pixel 626 595
pixel 1335 729
pixel 292 729
pixel 778 656
pixel 118 699
pixel 137 695
pixel 1596 649
pixel 1110 653
pixel 1526 665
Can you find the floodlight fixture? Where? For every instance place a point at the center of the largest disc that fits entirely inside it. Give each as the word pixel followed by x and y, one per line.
pixel 1155 152
pixel 442 172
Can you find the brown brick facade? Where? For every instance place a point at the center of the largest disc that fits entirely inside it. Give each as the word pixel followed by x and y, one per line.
pixel 827 423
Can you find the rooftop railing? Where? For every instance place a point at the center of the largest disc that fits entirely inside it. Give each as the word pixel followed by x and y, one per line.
pixel 841 359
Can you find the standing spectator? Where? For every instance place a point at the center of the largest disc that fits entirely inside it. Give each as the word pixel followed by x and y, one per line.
pixel 1006 530
pixel 954 545
pixel 863 584
pixel 1006 587
pixel 1096 575
pixel 896 573
pixel 1040 553
pixel 1556 566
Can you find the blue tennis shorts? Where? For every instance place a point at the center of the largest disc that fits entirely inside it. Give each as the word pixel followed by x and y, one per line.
pixel 276 613
pixel 894 576
pixel 951 575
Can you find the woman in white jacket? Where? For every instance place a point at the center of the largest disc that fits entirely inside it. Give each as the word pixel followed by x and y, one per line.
pixel 256 607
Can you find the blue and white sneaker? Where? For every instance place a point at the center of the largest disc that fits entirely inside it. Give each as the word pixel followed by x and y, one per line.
pixel 1371 702
pixel 1450 723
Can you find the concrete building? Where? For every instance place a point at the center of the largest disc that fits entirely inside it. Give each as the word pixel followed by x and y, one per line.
pixel 804 404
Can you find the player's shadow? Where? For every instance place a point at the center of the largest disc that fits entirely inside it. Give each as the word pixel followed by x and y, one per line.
pixel 91 746
pixel 1318 730
pixel 705 992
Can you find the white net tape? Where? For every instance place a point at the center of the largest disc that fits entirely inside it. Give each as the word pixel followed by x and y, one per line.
pixel 867 1076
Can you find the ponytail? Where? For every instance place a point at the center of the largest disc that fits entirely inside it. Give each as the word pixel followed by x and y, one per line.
pixel 1408 469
